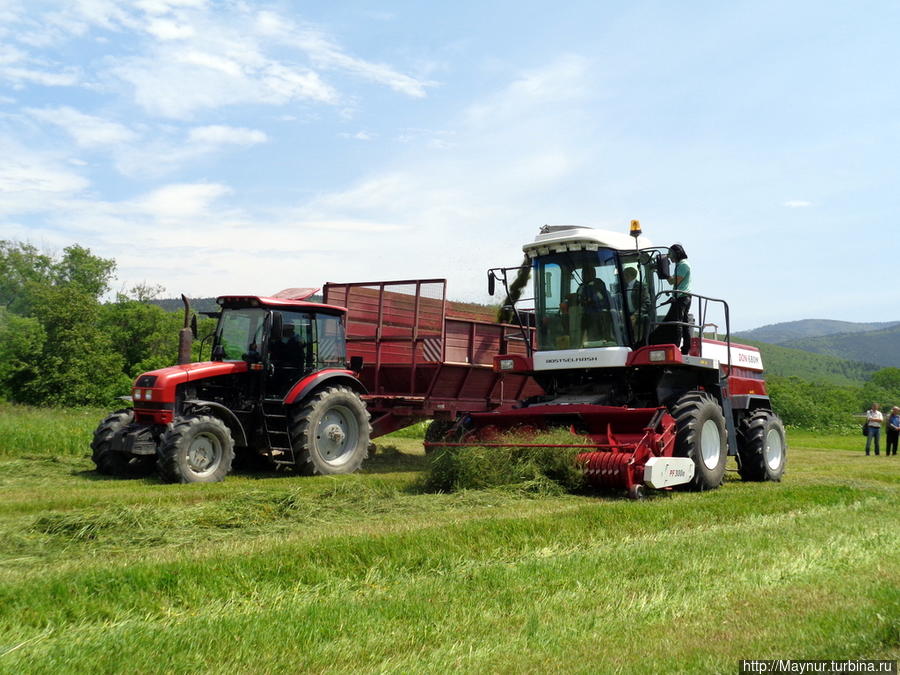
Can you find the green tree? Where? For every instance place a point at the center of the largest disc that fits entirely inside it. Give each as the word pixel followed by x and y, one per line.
pixel 81 269
pixel 145 335
pixel 22 267
pixel 78 365
pixel 22 342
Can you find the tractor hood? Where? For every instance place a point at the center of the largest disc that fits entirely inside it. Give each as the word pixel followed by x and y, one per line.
pixel 162 382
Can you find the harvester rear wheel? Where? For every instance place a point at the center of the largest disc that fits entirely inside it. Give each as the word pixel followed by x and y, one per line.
pixel 701 436
pixel 330 433
pixel 112 463
pixel 196 449
pixel 762 446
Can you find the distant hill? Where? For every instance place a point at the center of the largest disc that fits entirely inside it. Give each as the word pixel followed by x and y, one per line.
pixel 197 304
pixel 881 347
pixel 789 331
pixel 787 362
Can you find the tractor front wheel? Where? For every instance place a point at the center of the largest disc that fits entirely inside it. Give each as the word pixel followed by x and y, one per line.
pixel 110 462
pixel 196 449
pixel 701 436
pixel 761 446
pixel 330 432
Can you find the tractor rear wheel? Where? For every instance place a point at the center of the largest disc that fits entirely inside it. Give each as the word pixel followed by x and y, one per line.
pixel 110 462
pixel 196 449
pixel 701 436
pixel 761 446
pixel 330 432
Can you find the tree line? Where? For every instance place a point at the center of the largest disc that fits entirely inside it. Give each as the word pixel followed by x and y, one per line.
pixel 62 345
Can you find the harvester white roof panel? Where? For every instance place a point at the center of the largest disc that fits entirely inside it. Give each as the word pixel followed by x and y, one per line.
pixel 573 238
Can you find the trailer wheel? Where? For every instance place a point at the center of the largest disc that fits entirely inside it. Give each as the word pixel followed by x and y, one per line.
pixel 330 433
pixel 701 436
pixel 112 463
pixel 196 449
pixel 761 446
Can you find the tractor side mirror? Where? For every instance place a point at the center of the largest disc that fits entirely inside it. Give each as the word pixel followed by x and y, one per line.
pixel 662 267
pixel 194 326
pixel 491 283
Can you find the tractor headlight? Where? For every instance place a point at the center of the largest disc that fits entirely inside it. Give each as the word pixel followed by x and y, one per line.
pixel 658 355
pixel 148 394
pixel 507 364
pixel 137 394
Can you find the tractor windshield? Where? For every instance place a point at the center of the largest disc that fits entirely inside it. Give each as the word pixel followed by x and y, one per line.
pixel 579 300
pixel 240 332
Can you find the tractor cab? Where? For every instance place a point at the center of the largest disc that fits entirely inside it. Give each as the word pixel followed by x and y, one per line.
pixel 287 340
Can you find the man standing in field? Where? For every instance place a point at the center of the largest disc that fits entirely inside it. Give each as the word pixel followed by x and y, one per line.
pixel 874 420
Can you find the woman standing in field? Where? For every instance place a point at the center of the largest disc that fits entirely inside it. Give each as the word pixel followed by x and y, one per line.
pixel 893 431
pixel 874 420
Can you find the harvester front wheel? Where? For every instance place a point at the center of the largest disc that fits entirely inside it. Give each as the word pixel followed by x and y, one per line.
pixel 701 436
pixel 762 446
pixel 196 449
pixel 330 432
pixel 110 462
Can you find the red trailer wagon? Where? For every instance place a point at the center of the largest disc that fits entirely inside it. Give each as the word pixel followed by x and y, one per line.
pixel 424 356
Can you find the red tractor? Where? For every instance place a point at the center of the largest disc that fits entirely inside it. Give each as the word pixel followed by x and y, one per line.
pixel 278 381
pixel 605 351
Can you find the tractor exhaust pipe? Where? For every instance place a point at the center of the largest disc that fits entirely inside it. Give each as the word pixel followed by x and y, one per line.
pixel 185 335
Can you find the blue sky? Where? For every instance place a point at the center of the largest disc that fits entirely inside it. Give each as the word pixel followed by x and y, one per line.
pixel 225 147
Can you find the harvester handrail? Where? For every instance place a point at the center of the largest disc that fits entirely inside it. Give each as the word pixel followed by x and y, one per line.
pixel 703 307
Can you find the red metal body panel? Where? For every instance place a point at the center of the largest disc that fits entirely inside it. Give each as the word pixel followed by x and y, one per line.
pixel 310 381
pixel 424 356
pixel 159 409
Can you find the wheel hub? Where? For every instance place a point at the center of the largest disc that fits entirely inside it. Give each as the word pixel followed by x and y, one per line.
pixel 774 449
pixel 335 434
pixel 203 454
pixel 710 444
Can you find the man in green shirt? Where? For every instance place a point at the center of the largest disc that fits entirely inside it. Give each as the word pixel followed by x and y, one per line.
pixel 681 303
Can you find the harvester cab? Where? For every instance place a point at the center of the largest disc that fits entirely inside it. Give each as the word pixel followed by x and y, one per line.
pixel 604 348
pixel 278 385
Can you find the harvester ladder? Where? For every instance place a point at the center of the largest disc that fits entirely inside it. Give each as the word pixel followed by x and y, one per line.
pixel 278 432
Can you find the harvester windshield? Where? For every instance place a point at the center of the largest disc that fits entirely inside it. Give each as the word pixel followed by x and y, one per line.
pixel 586 299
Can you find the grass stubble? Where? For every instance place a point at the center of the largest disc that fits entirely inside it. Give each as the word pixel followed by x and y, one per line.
pixel 374 572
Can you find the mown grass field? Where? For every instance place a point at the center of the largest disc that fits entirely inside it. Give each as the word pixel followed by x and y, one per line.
pixel 277 573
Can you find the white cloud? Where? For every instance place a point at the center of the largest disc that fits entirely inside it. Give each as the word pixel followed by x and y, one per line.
pixel 797 204
pixel 187 56
pixel 224 135
pixel 180 201
pixel 169 30
pixel 359 135
pixel 88 131
pixel 560 82
pixel 34 182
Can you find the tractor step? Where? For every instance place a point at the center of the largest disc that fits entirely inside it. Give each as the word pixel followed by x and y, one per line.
pixel 278 433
